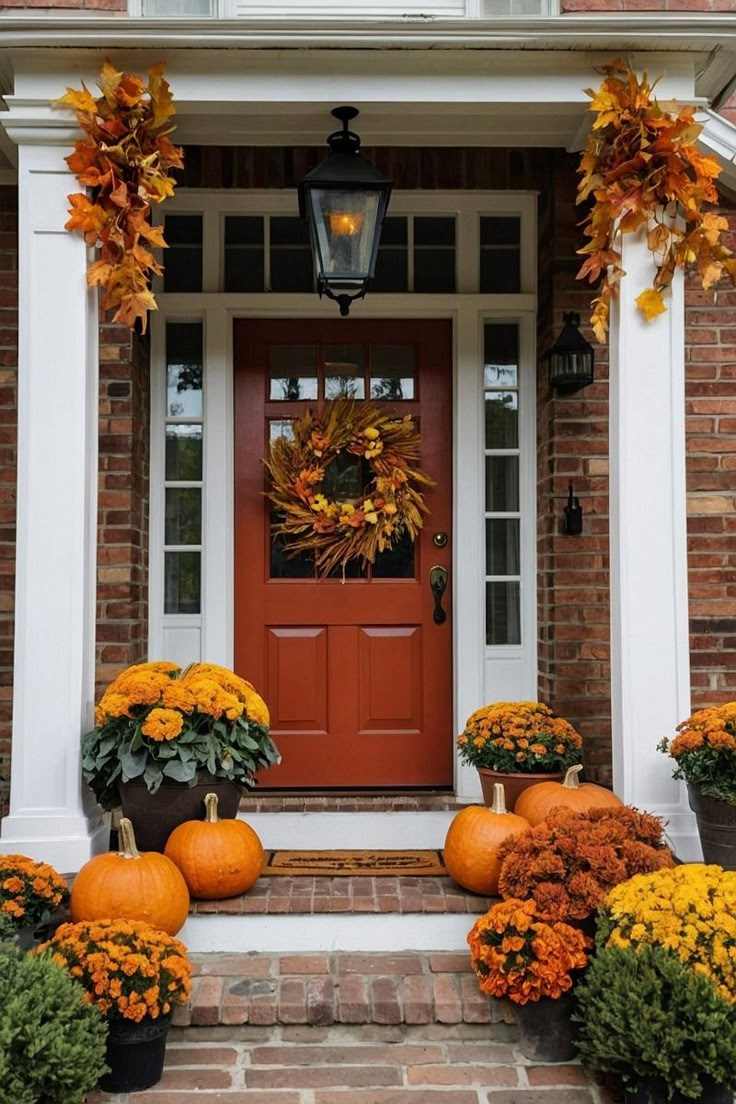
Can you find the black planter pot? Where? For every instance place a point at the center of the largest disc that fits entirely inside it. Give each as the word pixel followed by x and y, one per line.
pixel 716 827
pixel 655 1092
pixel 135 1054
pixel 547 1033
pixel 155 816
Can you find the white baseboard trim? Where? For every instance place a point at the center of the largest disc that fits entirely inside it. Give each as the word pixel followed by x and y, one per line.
pixel 326 932
pixel 382 830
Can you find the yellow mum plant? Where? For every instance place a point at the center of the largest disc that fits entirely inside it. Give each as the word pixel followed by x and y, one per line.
pixel 156 721
pixel 689 909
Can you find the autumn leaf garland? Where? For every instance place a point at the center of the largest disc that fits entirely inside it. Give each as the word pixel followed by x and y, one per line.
pixel 125 158
pixel 642 167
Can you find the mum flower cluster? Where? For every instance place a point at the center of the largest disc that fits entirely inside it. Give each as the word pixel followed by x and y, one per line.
pixel 689 910
pixel 704 751
pixel 516 955
pixel 157 721
pixel 520 736
pixel 128 969
pixel 29 891
pixel 569 863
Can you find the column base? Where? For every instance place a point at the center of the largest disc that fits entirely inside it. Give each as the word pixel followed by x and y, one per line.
pixel 67 843
pixel 681 830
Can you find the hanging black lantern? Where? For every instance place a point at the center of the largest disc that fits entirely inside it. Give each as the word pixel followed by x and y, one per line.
pixel 571 357
pixel 345 200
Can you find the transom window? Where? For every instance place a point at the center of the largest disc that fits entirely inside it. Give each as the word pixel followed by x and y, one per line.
pixel 232 9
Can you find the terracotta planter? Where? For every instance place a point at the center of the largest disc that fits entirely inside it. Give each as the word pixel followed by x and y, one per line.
pixel 655 1092
pixel 716 827
pixel 135 1054
pixel 513 784
pixel 155 816
pixel 547 1033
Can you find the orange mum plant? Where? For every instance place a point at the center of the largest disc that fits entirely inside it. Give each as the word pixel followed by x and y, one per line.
pixel 126 159
pixel 519 736
pixel 569 862
pixel 129 969
pixel 515 954
pixel 642 167
pixel 704 751
pixel 30 891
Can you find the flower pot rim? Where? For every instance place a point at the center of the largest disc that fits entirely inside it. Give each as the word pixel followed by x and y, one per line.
pixel 521 773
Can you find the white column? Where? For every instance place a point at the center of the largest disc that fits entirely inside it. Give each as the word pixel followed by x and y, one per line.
pixel 51 817
pixel 650 662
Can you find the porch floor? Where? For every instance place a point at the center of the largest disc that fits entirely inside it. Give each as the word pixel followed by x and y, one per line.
pixel 263 801
pixel 318 896
pixel 435 1064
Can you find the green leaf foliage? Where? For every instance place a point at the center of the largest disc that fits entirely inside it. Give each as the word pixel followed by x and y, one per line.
pixel 710 770
pixel 644 1016
pixel 52 1043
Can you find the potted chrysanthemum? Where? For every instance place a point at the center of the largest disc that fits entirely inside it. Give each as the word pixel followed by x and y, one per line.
pixel 518 744
pixel 31 893
pixel 164 738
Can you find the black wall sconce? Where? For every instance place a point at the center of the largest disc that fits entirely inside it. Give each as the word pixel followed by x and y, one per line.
pixel 572 517
pixel 570 360
pixel 345 200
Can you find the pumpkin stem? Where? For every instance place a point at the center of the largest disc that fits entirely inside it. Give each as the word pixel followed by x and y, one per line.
pixel 571 780
pixel 210 804
pixel 499 798
pixel 128 847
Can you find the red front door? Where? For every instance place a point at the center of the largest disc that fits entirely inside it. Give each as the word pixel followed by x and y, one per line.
pixel 357 674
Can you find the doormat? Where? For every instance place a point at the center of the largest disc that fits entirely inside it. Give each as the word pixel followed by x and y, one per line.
pixel 354 864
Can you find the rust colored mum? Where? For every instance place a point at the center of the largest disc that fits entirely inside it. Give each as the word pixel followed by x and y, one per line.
pixel 644 171
pixel 519 736
pixel 515 954
pixel 568 863
pixel 30 891
pixel 125 159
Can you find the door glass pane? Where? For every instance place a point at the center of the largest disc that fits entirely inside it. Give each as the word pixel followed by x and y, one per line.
pixel 280 427
pixel 345 478
pixel 285 566
pixel 503 613
pixel 502 419
pixel 184 369
pixel 397 562
pixel 183 258
pixel 502 546
pixel 182 582
pixel 183 452
pixel 393 372
pixel 183 515
pixel 501 354
pixel 244 265
pixel 344 371
pixel 293 372
pixel 502 484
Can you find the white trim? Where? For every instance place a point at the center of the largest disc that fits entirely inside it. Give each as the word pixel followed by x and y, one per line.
pixel 479 672
pixel 322 831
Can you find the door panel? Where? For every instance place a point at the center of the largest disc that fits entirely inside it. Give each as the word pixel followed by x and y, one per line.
pixel 356 673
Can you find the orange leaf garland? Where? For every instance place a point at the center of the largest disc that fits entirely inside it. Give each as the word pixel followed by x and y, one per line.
pixel 642 168
pixel 126 158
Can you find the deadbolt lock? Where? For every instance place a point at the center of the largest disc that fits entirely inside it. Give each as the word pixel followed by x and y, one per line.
pixel 439 540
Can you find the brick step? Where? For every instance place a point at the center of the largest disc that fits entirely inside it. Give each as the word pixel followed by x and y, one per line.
pixel 339 988
pixel 380 802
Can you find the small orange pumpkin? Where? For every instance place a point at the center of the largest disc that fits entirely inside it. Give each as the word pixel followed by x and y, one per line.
pixel 218 858
pixel 473 840
pixel 538 801
pixel 130 885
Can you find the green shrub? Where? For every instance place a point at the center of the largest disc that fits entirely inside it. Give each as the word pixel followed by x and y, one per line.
pixel 52 1043
pixel 645 1016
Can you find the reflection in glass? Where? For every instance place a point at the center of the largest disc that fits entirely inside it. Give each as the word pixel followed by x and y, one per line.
pixel 502 419
pixel 280 427
pixel 182 582
pixel 502 484
pixel 183 515
pixel 396 562
pixel 393 371
pixel 345 478
pixel 344 371
pixel 183 452
pixel 503 613
pixel 502 546
pixel 501 354
pixel 184 369
pixel 293 373
pixel 285 566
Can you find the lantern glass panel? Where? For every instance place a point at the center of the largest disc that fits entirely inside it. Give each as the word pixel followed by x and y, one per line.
pixel 345 229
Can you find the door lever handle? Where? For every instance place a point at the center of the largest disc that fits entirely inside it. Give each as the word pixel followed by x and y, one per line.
pixel 438 583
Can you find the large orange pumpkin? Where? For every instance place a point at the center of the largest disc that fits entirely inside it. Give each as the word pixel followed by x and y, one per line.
pixel 131 885
pixel 218 858
pixel 538 801
pixel 473 840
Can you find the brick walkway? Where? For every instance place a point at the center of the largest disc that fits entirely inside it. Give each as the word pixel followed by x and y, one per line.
pixel 309 896
pixel 435 1064
pixel 323 989
pixel 349 803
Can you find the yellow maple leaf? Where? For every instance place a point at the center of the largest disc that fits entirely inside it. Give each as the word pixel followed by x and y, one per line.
pixel 712 225
pixel 651 303
pixel 108 82
pixel 161 99
pixel 79 99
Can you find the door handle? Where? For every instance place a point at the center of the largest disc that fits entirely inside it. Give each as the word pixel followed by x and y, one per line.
pixel 438 583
